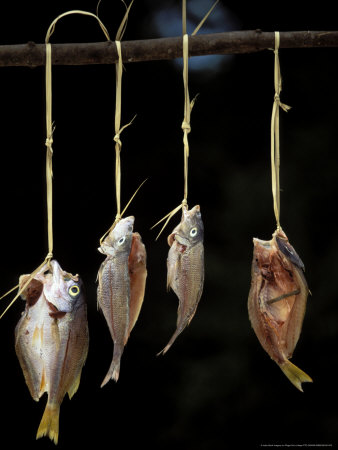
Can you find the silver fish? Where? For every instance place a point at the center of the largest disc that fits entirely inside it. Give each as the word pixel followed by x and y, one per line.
pixel 51 340
pixel 185 267
pixel 277 301
pixel 120 292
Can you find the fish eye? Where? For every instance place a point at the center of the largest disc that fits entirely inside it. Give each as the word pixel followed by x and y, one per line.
pixel 193 232
pixel 74 290
pixel 120 241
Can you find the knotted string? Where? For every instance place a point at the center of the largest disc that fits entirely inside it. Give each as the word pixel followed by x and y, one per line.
pixel 118 129
pixel 186 127
pixel 49 123
pixel 275 152
pixel 49 151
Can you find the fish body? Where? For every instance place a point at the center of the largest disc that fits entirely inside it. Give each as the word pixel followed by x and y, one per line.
pixel 120 292
pixel 137 267
pixel 51 340
pixel 185 267
pixel 277 301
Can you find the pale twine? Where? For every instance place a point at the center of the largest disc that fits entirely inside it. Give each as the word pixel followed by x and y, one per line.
pixel 186 127
pixel 275 150
pixel 118 129
pixel 49 150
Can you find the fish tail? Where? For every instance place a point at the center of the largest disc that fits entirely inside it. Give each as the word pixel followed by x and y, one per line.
pixel 170 343
pixel 114 369
pixel 49 425
pixel 295 374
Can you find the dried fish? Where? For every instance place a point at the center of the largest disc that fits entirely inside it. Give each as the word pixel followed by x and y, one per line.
pixel 277 301
pixel 51 340
pixel 185 265
pixel 122 278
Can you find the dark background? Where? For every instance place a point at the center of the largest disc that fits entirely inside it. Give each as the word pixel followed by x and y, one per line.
pixel 216 388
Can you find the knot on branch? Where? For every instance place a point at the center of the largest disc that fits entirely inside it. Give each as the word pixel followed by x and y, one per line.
pixel 117 139
pixel 277 98
pixel 49 142
pixel 184 203
pixel 186 126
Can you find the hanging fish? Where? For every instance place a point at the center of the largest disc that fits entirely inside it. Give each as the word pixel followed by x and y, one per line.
pixel 185 267
pixel 51 340
pixel 120 292
pixel 277 301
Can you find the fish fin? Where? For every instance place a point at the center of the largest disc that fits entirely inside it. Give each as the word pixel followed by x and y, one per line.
pixel 42 383
pixel 49 425
pixel 295 374
pixel 37 339
pixel 114 369
pixel 75 386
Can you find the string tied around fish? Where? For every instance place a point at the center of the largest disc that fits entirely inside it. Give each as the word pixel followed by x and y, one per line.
pixel 49 151
pixel 188 106
pixel 118 128
pixel 275 148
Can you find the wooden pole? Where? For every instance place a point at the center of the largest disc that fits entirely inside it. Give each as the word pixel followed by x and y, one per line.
pixel 233 42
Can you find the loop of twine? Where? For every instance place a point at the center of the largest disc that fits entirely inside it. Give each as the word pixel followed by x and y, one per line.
pixel 118 106
pixel 275 150
pixel 186 127
pixel 118 128
pixel 49 149
pixel 49 124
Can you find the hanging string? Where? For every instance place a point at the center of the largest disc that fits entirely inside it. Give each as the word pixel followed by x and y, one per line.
pixel 275 152
pixel 186 127
pixel 49 151
pixel 118 129
pixel 118 106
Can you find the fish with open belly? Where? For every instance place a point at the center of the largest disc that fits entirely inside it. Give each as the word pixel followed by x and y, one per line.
pixel 120 293
pixel 277 301
pixel 185 267
pixel 51 339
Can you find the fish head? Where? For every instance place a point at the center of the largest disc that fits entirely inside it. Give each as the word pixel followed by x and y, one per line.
pixel 190 230
pixel 62 290
pixel 263 254
pixel 119 239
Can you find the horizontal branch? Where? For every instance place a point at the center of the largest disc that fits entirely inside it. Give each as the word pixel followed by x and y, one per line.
pixel 233 42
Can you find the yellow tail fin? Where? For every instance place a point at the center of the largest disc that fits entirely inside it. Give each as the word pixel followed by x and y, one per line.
pixel 295 374
pixel 49 425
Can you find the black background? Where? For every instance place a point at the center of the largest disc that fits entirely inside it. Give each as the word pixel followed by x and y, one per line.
pixel 216 388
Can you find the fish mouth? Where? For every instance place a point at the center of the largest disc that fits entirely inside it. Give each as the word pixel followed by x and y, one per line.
pixel 258 242
pixel 129 220
pixel 55 312
pixel 181 240
pixel 191 212
pixel 57 272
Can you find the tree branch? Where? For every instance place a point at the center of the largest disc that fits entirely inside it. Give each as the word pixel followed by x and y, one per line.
pixel 233 42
